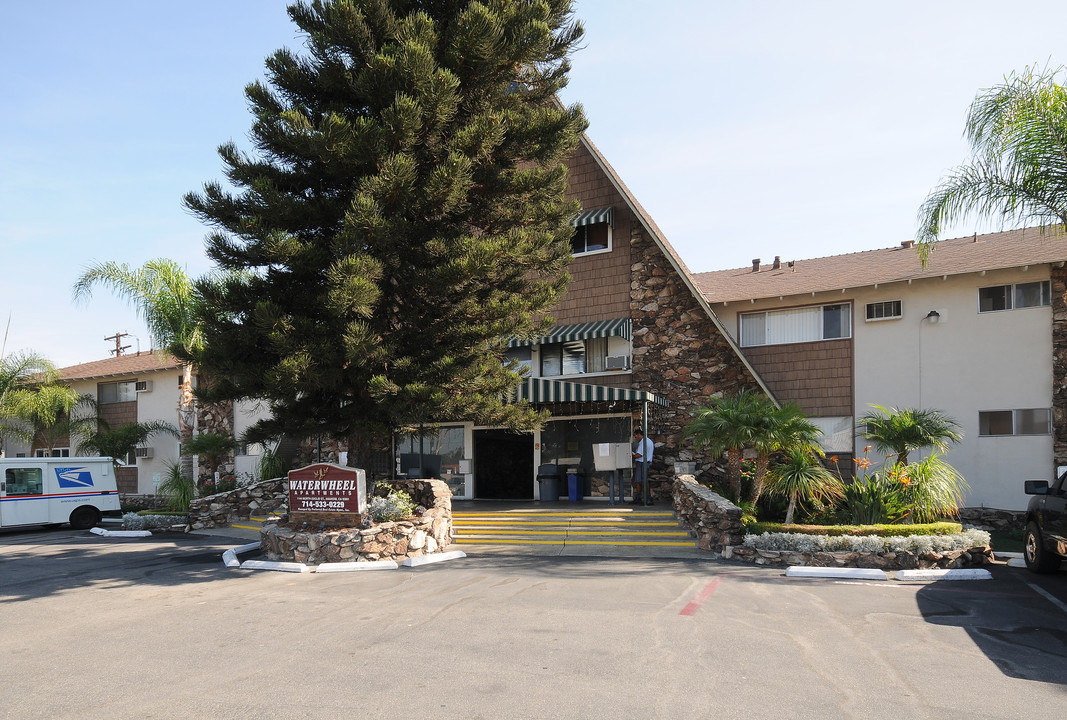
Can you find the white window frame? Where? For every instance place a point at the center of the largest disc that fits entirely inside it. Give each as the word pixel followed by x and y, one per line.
pixel 1015 423
pixel 882 304
pixel 1013 296
pixel 585 253
pixel 819 310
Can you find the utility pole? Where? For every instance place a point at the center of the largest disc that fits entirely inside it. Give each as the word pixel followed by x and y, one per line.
pixel 119 347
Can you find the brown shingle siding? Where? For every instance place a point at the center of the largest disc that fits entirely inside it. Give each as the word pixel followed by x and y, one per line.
pixel 817 376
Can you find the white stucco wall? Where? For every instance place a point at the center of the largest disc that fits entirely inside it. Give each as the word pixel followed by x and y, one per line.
pixel 965 363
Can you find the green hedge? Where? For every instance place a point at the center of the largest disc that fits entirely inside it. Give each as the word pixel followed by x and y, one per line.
pixel 938 528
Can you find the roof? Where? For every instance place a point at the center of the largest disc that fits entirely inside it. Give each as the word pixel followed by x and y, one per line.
pixel 660 240
pixel 140 362
pixel 995 251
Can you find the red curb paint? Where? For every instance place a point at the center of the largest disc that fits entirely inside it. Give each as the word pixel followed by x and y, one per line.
pixel 701 597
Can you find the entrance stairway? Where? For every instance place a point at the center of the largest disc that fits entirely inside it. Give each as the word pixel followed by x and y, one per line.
pixel 569 529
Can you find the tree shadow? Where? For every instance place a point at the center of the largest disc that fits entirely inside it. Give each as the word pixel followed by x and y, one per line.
pixel 35 564
pixel 1018 630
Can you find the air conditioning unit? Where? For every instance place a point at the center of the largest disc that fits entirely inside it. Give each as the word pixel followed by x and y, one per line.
pixel 143 386
pixel 616 362
pixel 144 452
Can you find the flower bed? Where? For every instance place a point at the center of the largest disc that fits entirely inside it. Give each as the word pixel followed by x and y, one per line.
pixel 714 521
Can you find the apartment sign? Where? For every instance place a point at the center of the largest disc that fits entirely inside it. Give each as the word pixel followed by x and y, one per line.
pixel 327 488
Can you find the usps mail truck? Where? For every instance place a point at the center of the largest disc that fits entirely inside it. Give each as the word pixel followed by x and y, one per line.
pixel 47 491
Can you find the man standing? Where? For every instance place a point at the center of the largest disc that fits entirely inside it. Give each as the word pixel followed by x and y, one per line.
pixel 642 452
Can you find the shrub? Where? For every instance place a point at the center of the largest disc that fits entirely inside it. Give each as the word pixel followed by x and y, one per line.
pixel 939 528
pixel 136 521
pixel 395 505
pixel 178 489
pixel 915 544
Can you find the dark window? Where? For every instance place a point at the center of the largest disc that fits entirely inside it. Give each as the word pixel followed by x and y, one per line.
pixel 589 238
pixel 883 310
pixel 1012 297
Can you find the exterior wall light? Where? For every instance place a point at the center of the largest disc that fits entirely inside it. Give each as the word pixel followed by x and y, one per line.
pixel 933 316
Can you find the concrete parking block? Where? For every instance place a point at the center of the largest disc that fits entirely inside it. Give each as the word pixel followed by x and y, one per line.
pixel 836 572
pixel 279 566
pixel 955 574
pixel 435 558
pixel 356 566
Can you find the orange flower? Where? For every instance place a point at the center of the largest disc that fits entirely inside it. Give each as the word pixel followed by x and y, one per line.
pixel 833 459
pixel 862 462
pixel 866 449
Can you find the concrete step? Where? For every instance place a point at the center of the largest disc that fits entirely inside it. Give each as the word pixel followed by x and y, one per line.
pixel 602 527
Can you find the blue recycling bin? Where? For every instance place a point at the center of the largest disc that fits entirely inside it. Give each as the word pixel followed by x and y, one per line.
pixel 574 487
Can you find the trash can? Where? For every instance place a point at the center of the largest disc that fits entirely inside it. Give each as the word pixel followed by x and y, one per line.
pixel 574 487
pixel 548 479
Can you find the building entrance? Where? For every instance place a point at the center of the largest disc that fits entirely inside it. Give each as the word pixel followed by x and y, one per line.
pixel 503 465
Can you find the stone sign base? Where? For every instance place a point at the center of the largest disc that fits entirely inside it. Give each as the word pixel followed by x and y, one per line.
pixel 428 533
pixel 332 520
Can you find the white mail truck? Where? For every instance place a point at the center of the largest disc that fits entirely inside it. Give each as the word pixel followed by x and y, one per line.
pixel 51 491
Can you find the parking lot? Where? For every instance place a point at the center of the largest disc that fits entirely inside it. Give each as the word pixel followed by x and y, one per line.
pixel 159 628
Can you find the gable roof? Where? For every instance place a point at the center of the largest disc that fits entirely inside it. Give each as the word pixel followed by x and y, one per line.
pixel 995 251
pixel 653 231
pixel 141 362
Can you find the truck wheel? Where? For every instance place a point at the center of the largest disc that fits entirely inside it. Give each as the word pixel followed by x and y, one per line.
pixel 84 518
pixel 1038 559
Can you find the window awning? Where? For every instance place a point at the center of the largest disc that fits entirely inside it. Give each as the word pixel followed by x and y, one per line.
pixel 591 217
pixel 545 390
pixel 622 327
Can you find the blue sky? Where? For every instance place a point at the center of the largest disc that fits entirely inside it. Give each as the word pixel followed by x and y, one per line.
pixel 746 129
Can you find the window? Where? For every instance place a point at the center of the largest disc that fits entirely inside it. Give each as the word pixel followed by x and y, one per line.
pixel 54 452
pixel 1014 297
pixel 117 392
pixel 888 310
pixel 574 357
pixel 522 355
pixel 780 327
pixel 24 481
pixel 1031 421
pixel 591 238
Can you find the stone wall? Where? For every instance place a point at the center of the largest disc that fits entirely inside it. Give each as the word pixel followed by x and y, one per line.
pixel 713 520
pixel 428 532
pixel 1059 364
pixel 991 519
pixel 949 560
pixel 679 354
pixel 222 509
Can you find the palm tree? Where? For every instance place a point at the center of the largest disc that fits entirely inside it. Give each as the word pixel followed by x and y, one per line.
pixel 800 476
pixel 730 424
pixel 165 298
pixel 118 443
pixel 211 446
pixel 1018 137
pixel 29 391
pixel 901 431
pixel 56 419
pixel 785 429
pixel 747 420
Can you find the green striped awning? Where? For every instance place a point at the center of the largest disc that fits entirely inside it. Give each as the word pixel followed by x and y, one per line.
pixel 544 390
pixel 622 327
pixel 591 217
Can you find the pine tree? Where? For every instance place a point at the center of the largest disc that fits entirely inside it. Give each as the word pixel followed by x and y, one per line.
pixel 403 214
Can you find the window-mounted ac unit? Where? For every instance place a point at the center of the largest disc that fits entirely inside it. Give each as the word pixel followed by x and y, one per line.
pixel 616 362
pixel 144 452
pixel 143 386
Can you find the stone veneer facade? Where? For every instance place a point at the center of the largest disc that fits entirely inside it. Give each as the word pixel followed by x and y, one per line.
pixel 215 418
pixel 1059 363
pixel 679 354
